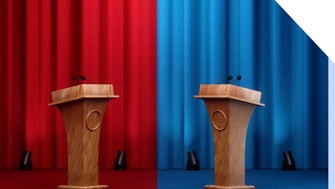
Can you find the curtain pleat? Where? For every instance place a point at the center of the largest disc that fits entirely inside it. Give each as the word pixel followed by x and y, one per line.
pixel 156 68
pixel 44 43
pixel 207 41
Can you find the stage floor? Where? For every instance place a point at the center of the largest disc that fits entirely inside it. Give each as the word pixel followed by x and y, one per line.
pixel 166 179
pixel 260 178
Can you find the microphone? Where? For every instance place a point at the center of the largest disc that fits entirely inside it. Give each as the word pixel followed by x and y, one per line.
pixel 82 77
pixel 239 77
pixel 73 77
pixel 229 77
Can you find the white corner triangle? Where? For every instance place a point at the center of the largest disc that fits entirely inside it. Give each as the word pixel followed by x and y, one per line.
pixel 316 18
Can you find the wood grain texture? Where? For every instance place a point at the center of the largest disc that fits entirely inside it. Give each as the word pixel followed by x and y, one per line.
pixel 228 187
pixel 229 108
pixel 82 108
pixel 82 187
pixel 82 91
pixel 231 92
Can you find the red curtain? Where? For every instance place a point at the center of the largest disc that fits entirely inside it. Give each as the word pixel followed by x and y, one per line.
pixel 43 43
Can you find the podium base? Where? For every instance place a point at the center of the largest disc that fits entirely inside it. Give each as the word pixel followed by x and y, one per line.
pixel 82 187
pixel 228 187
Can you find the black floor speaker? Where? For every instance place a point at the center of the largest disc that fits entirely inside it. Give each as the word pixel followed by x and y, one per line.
pixel 26 163
pixel 288 161
pixel 120 161
pixel 193 161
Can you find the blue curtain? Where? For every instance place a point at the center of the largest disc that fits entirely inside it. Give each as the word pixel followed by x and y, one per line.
pixel 202 42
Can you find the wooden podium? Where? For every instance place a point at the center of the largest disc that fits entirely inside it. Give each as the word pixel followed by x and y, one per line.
pixel 229 108
pixel 82 108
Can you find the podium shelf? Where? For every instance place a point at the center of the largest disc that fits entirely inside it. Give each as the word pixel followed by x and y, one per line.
pixel 82 91
pixel 228 91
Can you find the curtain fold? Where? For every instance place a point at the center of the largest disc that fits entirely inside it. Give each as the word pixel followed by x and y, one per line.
pixel 44 43
pixel 156 119
pixel 202 42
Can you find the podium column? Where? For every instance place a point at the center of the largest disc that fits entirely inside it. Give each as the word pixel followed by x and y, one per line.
pixel 82 108
pixel 229 108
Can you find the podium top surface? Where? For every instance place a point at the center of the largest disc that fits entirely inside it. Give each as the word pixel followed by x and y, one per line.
pixel 82 91
pixel 228 91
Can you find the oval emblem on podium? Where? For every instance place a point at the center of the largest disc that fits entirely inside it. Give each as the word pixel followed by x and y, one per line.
pixel 219 120
pixel 93 120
